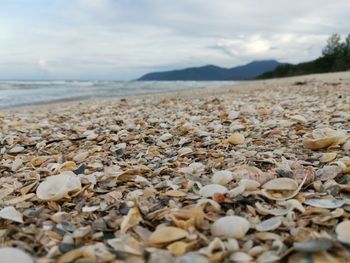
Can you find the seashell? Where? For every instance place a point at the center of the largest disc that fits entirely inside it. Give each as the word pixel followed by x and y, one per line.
pixel 165 137
pixel 132 219
pixel 236 138
pixel 222 177
pixel 313 245
pixel 37 161
pixel 233 115
pixel 298 118
pixel 174 193
pixel 230 227
pixel 167 234
pixel 10 213
pixel 67 166
pixel 269 224
pixel 236 191
pixel 325 203
pixel 329 172
pixel 80 157
pixel 14 255
pixel 317 144
pixel 186 218
pixel 281 184
pixel 343 233
pixel 253 173
pixel 184 151
pixel 58 186
pixel 179 248
pixel 327 157
pixel 240 257
pixel 16 149
pixel 249 185
pixel 17 164
pixel 281 188
pixel 192 257
pixel 126 244
pixel 289 204
pixel 346 146
pixel 323 138
pixel 210 189
pixel 92 136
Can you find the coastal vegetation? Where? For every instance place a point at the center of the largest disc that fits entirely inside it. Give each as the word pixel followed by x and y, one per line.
pixel 335 57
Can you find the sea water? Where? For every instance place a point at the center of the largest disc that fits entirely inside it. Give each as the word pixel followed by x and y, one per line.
pixel 14 93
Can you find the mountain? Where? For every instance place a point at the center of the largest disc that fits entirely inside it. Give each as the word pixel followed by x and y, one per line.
pixel 212 72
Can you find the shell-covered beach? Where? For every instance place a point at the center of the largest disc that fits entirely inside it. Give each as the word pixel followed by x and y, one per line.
pixel 259 172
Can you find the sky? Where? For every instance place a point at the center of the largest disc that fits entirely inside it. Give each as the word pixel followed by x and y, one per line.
pixel 124 39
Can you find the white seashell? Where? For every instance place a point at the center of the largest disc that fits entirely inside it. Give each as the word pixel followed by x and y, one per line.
pixel 233 115
pixel 281 184
pixel 58 186
pixel 165 137
pixel 14 255
pixel 80 157
pixel 281 188
pixel 230 227
pixel 249 185
pixel 16 149
pixel 343 233
pixel 325 203
pixel 10 213
pixel 222 177
pixel 236 191
pixel 240 257
pixel 269 224
pixel 210 189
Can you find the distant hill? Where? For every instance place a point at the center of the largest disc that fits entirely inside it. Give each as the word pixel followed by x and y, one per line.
pixel 335 57
pixel 212 72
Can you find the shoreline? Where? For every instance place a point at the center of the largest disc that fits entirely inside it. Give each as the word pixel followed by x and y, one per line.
pixel 251 84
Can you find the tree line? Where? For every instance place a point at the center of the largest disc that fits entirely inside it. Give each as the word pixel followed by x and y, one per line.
pixel 335 57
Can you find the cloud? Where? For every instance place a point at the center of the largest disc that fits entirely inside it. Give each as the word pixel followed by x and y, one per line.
pixel 122 39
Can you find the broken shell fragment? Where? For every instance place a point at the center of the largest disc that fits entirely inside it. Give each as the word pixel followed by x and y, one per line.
pixel 10 213
pixel 14 255
pixel 230 227
pixel 167 234
pixel 222 177
pixel 210 189
pixel 58 186
pixel 236 138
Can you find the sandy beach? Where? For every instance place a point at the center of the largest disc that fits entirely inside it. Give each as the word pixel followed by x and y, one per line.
pixel 256 172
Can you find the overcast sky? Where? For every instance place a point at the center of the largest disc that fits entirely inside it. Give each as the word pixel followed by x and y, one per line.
pixel 123 39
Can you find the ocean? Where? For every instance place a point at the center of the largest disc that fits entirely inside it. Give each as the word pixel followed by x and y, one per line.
pixel 14 93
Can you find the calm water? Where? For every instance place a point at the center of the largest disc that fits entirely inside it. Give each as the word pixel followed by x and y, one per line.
pixel 14 93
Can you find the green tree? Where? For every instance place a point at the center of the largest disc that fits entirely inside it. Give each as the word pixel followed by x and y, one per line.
pixel 333 45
